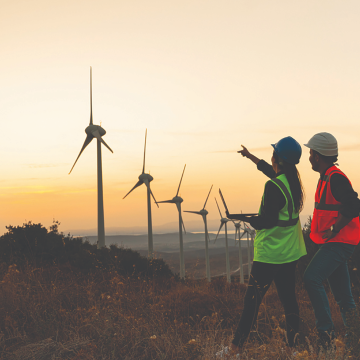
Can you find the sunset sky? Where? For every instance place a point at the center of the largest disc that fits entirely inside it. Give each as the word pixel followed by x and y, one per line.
pixel 203 77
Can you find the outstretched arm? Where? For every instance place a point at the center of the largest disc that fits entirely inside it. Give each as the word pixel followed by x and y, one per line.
pixel 262 165
pixel 246 153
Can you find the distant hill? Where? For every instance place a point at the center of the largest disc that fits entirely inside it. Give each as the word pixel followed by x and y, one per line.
pixel 171 227
pixel 191 226
pixel 166 247
pixel 168 242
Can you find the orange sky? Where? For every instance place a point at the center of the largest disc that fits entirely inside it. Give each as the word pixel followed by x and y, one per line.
pixel 202 76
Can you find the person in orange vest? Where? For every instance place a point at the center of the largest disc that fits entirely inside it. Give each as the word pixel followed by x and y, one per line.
pixel 335 228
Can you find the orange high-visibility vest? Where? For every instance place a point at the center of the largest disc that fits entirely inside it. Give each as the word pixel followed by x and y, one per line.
pixel 326 212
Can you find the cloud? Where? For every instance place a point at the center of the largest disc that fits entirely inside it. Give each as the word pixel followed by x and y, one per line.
pixel 257 149
pixel 39 166
pixel 353 147
pixel 191 133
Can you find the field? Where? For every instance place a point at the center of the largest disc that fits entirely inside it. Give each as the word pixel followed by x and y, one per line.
pixel 58 311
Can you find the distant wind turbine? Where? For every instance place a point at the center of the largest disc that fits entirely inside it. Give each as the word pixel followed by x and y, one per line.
pixel 223 221
pixel 248 232
pixel 178 200
pixel 203 213
pixel 238 237
pixel 96 131
pixel 146 179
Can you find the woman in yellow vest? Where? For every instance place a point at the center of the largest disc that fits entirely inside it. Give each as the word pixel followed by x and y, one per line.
pixel 278 243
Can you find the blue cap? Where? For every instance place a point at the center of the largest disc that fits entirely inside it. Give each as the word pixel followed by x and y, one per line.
pixel 288 149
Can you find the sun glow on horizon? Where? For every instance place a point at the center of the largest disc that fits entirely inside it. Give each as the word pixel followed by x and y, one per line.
pixel 201 76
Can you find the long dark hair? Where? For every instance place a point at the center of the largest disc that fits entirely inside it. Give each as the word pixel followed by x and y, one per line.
pixel 293 177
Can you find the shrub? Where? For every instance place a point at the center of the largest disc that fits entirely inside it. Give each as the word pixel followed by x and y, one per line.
pixel 33 244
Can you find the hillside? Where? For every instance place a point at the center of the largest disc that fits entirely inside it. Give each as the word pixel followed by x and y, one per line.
pixel 61 298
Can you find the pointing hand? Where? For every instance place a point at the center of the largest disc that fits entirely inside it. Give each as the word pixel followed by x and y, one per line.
pixel 244 152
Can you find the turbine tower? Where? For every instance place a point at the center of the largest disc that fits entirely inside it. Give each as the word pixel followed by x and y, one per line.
pixel 203 213
pixel 178 200
pixel 223 221
pixel 248 232
pixel 96 131
pixel 146 179
pixel 238 237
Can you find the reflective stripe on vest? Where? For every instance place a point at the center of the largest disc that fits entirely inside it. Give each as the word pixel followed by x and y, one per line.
pixel 291 221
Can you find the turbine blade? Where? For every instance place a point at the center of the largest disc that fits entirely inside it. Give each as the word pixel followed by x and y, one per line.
pixel 207 197
pixel 177 193
pixel 146 181
pixel 221 225
pixel 183 224
pixel 153 197
pixel 218 207
pixel 86 143
pixel 193 212
pixel 166 201
pixel 179 210
pixel 103 141
pixel 91 114
pixel 136 185
pixel 143 170
pixel 98 136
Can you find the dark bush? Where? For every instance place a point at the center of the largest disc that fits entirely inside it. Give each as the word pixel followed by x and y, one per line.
pixel 35 245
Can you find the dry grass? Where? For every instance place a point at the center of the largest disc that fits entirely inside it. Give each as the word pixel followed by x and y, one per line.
pixel 59 313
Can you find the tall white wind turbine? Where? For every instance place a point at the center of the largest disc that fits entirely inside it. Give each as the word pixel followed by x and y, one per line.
pixel 203 213
pixel 223 221
pixel 96 131
pixel 238 237
pixel 146 179
pixel 249 236
pixel 178 200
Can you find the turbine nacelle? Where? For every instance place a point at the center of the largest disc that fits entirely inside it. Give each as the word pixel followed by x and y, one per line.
pixel 91 128
pixel 145 177
pixel 203 212
pixel 177 199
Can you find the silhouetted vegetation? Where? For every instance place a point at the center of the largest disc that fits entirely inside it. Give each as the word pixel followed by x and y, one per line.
pixel 33 244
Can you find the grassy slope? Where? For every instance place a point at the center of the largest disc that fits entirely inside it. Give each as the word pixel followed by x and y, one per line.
pixel 58 311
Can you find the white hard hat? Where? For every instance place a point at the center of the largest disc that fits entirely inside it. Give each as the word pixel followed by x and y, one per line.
pixel 324 143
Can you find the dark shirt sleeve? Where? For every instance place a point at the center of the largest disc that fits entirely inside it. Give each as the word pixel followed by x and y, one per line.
pixel 266 169
pixel 345 194
pixel 274 201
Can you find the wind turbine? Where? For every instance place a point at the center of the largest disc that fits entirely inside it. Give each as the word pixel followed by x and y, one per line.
pixel 146 179
pixel 223 221
pixel 203 213
pixel 178 200
pixel 96 131
pixel 248 232
pixel 238 237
